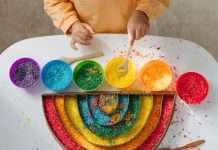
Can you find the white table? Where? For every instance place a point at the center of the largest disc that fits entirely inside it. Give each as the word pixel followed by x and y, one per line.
pixel 23 125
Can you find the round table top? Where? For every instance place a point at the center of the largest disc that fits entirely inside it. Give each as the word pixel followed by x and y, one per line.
pixel 23 124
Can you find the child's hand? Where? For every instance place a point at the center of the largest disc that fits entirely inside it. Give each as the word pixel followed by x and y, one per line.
pixel 81 33
pixel 138 26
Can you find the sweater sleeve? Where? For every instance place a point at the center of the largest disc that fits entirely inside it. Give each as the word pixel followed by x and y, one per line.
pixel 153 8
pixel 62 13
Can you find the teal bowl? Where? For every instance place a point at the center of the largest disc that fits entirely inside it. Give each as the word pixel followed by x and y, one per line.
pixel 56 75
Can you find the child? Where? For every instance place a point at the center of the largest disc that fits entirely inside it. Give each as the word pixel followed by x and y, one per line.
pixel 82 18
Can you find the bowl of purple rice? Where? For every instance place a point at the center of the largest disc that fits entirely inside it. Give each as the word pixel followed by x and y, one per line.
pixel 24 72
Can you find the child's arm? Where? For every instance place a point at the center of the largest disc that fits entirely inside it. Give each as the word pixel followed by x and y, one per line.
pixel 65 17
pixel 62 13
pixel 146 11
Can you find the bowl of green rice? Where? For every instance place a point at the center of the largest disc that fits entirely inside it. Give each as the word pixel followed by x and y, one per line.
pixel 88 75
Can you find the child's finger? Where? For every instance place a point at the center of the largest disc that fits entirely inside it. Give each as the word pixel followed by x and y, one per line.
pixel 139 33
pixel 131 36
pixel 81 41
pixel 85 32
pixel 143 31
pixel 84 36
pixel 89 28
pixel 73 44
pixel 146 28
pixel 86 29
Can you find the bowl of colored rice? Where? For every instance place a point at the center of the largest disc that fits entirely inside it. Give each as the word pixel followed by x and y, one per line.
pixel 88 75
pixel 115 78
pixel 56 75
pixel 24 72
pixel 156 75
pixel 192 87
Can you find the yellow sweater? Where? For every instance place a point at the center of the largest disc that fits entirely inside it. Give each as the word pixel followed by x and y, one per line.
pixel 103 15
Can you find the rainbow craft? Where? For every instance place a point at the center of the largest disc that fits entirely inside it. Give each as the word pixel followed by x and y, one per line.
pixel 109 121
pixel 135 115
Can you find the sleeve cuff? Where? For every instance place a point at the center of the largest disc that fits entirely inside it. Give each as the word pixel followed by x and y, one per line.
pixel 152 9
pixel 65 26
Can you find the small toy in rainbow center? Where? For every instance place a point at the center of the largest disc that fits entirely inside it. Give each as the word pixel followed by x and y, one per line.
pixel 24 72
pixel 56 75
